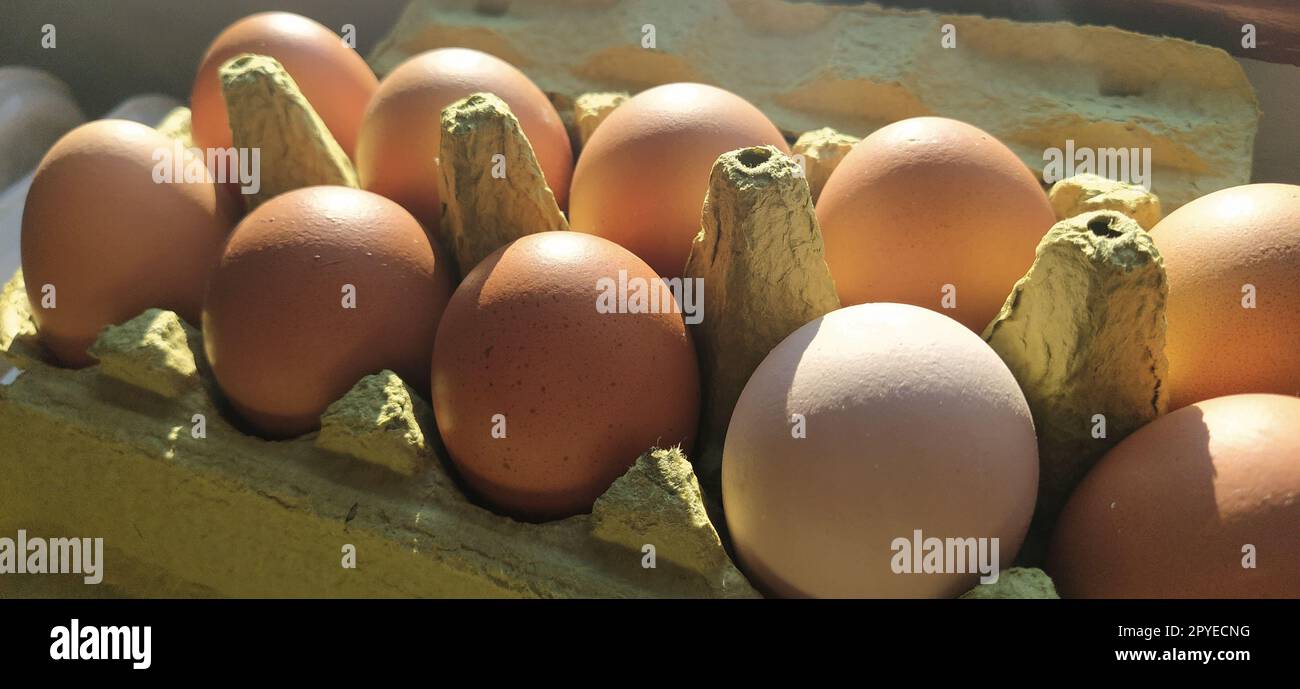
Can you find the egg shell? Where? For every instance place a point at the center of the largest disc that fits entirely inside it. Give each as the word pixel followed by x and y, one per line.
pixel 110 240
pixel 642 177
pixel 334 78
pixel 397 154
pixel 1213 248
pixel 1168 512
pixel 581 393
pixel 281 340
pixel 927 202
pixel 909 421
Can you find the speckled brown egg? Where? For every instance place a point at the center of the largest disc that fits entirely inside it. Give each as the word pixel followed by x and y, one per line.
pixel 1233 260
pixel 334 78
pixel 642 177
pixel 316 289
pixel 1201 503
pixel 930 208
pixel 866 426
pixel 102 241
pixel 544 397
pixel 397 154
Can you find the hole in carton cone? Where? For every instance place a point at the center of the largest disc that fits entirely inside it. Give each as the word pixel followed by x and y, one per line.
pixel 753 157
pixel 1100 226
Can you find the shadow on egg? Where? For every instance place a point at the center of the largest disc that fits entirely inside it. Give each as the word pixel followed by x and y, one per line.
pixel 1181 507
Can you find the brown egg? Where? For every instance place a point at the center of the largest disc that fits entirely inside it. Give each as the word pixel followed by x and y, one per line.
pixel 333 77
pixel 1233 260
pixel 929 208
pixel 642 177
pixel 1201 503
pixel 318 288
pixel 397 154
pixel 102 241
pixel 864 427
pixel 543 397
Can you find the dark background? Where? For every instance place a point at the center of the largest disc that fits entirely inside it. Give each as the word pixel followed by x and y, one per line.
pixel 110 49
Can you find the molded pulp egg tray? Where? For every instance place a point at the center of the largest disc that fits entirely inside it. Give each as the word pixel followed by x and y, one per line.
pixel 137 449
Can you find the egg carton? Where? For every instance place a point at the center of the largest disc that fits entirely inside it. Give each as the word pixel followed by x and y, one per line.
pixel 1032 85
pixel 138 449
